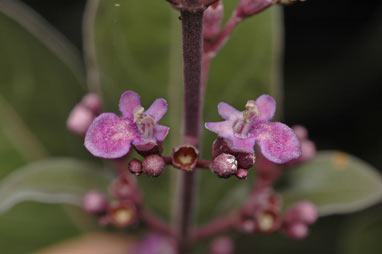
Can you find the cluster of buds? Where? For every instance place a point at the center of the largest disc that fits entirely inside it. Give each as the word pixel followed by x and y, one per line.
pixel 152 165
pixel 84 113
pixel 227 162
pixel 298 218
pixel 260 213
pixel 120 212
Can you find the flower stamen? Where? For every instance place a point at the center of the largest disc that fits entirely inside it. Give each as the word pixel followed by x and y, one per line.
pixel 145 123
pixel 242 126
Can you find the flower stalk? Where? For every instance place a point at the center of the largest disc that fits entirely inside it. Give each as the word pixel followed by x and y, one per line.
pixel 192 27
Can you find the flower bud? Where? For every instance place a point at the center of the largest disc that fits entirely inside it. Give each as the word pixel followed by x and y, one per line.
pixel 135 167
pixel 220 146
pixel 95 202
pixel 261 212
pixel 245 160
pixel 247 225
pixel 153 165
pixel 122 214
pixel 93 102
pixel 224 165
pixel 296 231
pixel 79 120
pixel 222 245
pixel 303 212
pixel 185 157
pixel 241 173
pixel 308 149
pixel 122 189
pixel 300 131
pixel 248 8
pixel 212 19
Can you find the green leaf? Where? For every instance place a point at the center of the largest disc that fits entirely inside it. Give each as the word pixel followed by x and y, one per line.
pixel 42 79
pixel 56 181
pixel 336 182
pixel 62 181
pixel 31 226
pixel 139 48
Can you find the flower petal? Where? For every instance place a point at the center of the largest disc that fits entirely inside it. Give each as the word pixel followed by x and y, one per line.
pixel 128 103
pixel 158 109
pixel 144 144
pixel 228 112
pixel 266 106
pixel 160 132
pixel 109 136
pixel 242 144
pixel 277 142
pixel 223 129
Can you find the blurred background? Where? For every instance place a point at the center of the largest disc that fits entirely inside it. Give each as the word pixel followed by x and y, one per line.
pixel 332 66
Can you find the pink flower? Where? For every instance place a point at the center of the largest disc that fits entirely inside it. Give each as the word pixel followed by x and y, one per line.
pixel 243 129
pixel 110 136
pixel 154 243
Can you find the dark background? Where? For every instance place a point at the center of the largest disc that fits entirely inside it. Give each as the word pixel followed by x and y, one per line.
pixel 332 66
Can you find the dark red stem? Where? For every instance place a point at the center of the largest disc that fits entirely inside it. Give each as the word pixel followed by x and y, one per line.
pixel 192 28
pixel 218 225
pixel 154 222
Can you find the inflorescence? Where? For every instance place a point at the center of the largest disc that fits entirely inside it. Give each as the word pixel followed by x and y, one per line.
pixel 234 153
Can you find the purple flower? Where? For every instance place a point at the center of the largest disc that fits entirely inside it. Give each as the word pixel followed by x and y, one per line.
pixel 110 136
pixel 154 243
pixel 243 129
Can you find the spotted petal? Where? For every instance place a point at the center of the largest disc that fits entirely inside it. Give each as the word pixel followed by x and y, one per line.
pixel 109 136
pixel 158 109
pixel 277 142
pixel 128 103
pixel 228 112
pixel 223 129
pixel 266 106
